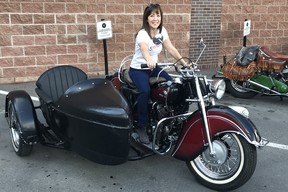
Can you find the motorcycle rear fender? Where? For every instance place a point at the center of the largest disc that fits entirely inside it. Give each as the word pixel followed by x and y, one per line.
pixel 193 139
pixel 26 114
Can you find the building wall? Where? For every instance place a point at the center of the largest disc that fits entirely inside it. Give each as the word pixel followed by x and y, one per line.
pixel 205 24
pixel 38 34
pixel 269 25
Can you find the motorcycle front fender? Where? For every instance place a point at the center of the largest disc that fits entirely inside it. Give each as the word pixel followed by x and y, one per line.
pixel 221 119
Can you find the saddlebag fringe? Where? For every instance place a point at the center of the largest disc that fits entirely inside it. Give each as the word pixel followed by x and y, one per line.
pixel 231 70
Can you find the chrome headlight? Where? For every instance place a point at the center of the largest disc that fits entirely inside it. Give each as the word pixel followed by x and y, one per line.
pixel 218 87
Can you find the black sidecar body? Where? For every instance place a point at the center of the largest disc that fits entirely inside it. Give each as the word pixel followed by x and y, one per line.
pixel 88 116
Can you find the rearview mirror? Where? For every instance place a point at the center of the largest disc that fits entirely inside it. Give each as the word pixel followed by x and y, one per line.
pixel 158 39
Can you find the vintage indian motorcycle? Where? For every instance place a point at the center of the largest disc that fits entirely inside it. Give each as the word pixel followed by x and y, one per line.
pixel 263 72
pixel 95 117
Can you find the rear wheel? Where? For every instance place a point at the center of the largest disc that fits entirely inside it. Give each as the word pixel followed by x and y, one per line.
pixel 231 167
pixel 236 88
pixel 19 145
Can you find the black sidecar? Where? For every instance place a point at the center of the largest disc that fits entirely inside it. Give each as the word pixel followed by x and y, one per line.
pixel 88 116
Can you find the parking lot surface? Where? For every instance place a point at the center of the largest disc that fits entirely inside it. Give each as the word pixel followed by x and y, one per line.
pixel 50 169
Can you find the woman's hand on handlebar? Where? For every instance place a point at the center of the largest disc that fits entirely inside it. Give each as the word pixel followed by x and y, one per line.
pixel 151 63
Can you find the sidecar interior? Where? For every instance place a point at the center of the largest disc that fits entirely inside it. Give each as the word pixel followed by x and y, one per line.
pixel 53 83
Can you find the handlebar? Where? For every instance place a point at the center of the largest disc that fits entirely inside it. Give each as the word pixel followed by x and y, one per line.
pixel 145 66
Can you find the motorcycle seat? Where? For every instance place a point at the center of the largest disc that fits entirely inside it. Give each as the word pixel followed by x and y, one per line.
pixel 152 80
pixel 265 50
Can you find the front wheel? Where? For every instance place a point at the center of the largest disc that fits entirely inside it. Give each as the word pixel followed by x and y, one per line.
pixel 231 167
pixel 19 145
pixel 236 88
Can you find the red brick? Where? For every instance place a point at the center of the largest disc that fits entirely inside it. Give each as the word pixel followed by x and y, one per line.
pixel 23 40
pixel 277 33
pixel 55 29
pixel 44 19
pixel 96 8
pixel 24 61
pixel 67 39
pixel 67 59
pixel 9 7
pixel 183 9
pixel 45 40
pixel 6 62
pixel 32 7
pixel 33 29
pixel 21 19
pixel 88 58
pixel 46 60
pixel 34 50
pixel 35 71
pixel 56 49
pixel 5 40
pixel 14 72
pixel 65 18
pixel 283 25
pixel 115 8
pixel 12 51
pixel 54 8
pixel 76 8
pixel 77 49
pixel 10 30
pixel 86 18
pixel 4 19
pixel 133 8
pixel 76 29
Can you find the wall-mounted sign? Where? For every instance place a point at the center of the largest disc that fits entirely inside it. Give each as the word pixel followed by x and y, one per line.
pixel 247 26
pixel 104 29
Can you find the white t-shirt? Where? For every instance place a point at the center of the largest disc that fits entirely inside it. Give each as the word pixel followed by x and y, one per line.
pixel 153 49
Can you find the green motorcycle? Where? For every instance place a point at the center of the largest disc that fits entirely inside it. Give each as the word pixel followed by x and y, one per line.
pixel 256 70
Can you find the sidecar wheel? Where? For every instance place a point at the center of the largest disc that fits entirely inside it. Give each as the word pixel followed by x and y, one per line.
pixel 19 145
pixel 231 167
pixel 236 89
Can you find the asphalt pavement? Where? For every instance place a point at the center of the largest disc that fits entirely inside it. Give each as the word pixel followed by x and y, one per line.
pixel 49 169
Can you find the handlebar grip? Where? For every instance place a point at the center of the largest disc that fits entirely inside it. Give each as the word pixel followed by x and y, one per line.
pixel 144 66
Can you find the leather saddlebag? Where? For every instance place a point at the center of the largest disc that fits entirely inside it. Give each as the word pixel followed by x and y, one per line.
pixel 266 63
pixel 233 71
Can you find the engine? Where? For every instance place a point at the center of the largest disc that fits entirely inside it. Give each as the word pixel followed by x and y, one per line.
pixel 170 93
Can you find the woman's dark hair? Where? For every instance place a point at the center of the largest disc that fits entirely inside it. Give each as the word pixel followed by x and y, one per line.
pixel 148 10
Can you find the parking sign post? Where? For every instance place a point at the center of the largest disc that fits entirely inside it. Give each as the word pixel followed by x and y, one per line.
pixel 246 31
pixel 104 31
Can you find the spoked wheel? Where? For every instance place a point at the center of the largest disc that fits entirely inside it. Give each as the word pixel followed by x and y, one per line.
pixel 236 88
pixel 232 165
pixel 19 145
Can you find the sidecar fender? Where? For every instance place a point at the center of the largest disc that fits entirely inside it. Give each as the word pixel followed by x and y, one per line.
pixel 193 139
pixel 25 114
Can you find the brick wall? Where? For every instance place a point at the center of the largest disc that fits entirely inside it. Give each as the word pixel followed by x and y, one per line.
pixel 269 25
pixel 205 23
pixel 38 34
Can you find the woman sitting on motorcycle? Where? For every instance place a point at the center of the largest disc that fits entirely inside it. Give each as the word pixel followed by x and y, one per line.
pixel 146 52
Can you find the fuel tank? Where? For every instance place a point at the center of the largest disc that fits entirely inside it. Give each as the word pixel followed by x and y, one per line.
pixel 270 83
pixel 94 117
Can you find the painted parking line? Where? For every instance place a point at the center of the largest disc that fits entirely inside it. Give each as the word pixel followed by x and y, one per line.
pixel 278 146
pixel 6 92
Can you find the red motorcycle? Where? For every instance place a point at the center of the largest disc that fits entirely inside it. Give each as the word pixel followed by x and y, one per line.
pixel 95 118
pixel 218 143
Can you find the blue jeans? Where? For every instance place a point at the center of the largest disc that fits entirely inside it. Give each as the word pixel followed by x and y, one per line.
pixel 141 81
